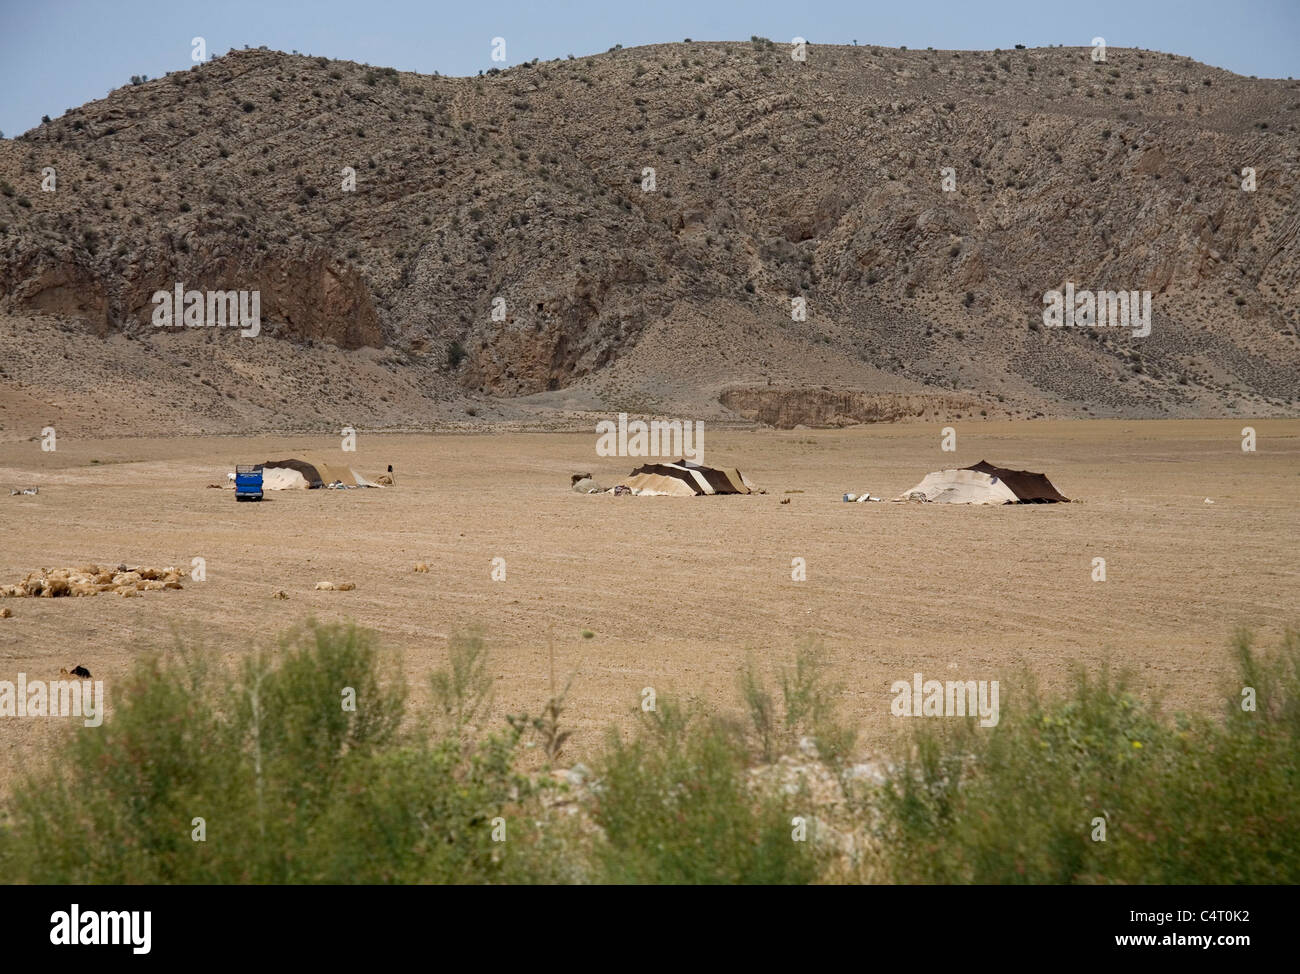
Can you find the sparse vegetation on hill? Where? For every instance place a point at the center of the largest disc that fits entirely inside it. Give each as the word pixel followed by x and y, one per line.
pixel 773 179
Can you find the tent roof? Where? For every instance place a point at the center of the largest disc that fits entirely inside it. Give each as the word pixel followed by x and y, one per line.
pixel 311 471
pixel 311 476
pixel 655 484
pixel 961 487
pixel 1029 488
pixel 694 478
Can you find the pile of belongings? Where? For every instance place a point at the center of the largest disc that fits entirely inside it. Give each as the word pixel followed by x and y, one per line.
pixel 583 484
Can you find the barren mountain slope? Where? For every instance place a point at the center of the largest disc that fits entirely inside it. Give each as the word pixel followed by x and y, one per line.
pixel 773 179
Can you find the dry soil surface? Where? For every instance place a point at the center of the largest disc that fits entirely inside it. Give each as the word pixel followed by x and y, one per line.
pixel 676 592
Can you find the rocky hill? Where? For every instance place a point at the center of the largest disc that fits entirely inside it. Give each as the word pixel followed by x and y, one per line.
pixel 773 179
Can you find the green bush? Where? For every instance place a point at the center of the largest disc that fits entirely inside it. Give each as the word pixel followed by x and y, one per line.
pixel 1184 800
pixel 806 712
pixel 676 806
pixel 292 787
pixel 455 355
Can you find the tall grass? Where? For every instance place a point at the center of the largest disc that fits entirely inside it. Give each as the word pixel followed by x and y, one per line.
pixel 287 780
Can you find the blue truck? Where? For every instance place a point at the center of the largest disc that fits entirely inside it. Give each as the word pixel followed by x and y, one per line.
pixel 248 482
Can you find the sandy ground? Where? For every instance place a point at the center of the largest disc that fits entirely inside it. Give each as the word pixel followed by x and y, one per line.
pixel 678 590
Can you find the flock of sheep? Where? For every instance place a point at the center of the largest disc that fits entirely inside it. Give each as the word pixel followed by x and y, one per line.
pixel 52 583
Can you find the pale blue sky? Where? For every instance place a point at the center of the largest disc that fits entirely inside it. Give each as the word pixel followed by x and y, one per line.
pixel 56 54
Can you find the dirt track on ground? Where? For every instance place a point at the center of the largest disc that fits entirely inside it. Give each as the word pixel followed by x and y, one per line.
pixel 678 590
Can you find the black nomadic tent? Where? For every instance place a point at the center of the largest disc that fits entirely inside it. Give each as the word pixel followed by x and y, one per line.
pixel 1030 488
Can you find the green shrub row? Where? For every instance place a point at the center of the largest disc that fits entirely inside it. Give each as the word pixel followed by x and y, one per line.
pixel 286 781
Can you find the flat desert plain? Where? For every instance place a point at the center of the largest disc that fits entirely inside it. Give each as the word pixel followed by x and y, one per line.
pixel 676 592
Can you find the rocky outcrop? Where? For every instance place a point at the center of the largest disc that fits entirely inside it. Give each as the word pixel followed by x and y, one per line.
pixel 788 408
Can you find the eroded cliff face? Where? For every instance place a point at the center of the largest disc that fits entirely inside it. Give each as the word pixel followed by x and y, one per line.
pixel 302 299
pixel 503 231
pixel 788 408
pixel 563 331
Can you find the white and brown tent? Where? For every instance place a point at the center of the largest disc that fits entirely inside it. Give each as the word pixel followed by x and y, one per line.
pixel 686 478
pixel 984 483
pixel 307 472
